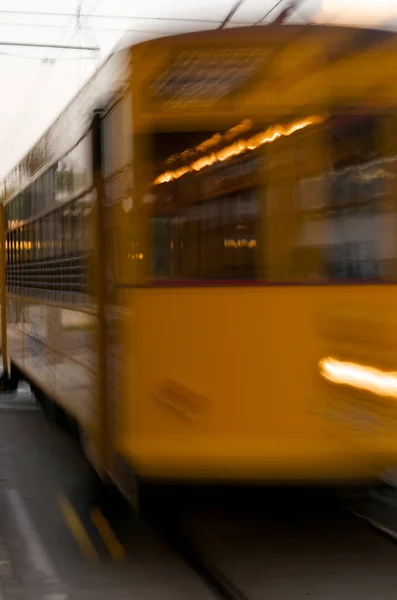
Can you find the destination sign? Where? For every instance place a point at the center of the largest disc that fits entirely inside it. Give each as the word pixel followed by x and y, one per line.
pixel 207 76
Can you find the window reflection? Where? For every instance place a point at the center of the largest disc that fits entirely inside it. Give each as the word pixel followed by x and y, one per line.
pixel 316 205
pixel 51 254
pixel 206 225
pixel 340 211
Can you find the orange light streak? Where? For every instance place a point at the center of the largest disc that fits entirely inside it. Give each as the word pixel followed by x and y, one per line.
pixel 265 137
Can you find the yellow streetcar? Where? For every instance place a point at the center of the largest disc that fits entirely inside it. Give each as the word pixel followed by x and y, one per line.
pixel 200 256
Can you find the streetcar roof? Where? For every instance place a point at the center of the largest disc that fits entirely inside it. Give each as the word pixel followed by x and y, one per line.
pixel 262 34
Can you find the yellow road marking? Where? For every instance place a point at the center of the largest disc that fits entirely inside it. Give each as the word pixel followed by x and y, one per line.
pixel 107 534
pixel 77 528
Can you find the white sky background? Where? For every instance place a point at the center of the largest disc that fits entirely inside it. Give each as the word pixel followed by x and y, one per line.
pixel 34 92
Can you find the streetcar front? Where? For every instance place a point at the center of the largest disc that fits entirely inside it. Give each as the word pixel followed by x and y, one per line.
pixel 259 257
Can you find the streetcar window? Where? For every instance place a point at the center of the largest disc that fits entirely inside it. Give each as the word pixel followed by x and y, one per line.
pixel 24 205
pixel 80 154
pixel 34 196
pixel 21 244
pixel 13 247
pixel 51 237
pixel 339 236
pixel 7 215
pixel 67 230
pixel 8 248
pixel 76 226
pixel 205 225
pixel 113 140
pixel 42 192
pixel 37 198
pixel 58 237
pixel 37 239
pixel 47 235
pixel 29 241
pixel 310 207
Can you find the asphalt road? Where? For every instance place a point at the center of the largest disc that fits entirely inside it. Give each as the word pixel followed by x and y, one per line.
pixel 56 543
pixel 46 493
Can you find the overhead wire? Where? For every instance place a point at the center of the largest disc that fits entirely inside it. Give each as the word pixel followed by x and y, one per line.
pixel 88 26
pixel 89 14
pixel 119 17
pixel 18 122
pixel 41 58
pixel 58 26
pixel 79 37
pixel 53 46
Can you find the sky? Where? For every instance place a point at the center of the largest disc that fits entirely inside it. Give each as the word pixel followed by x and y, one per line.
pixel 37 83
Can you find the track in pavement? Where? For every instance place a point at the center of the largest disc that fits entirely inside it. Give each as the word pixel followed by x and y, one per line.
pixel 166 522
pixel 254 544
pixel 249 544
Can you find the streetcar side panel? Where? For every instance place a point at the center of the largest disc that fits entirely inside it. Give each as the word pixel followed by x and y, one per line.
pixel 51 225
pixel 51 321
pixel 228 384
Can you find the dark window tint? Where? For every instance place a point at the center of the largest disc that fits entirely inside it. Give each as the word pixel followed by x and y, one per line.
pixel 340 213
pixel 205 224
